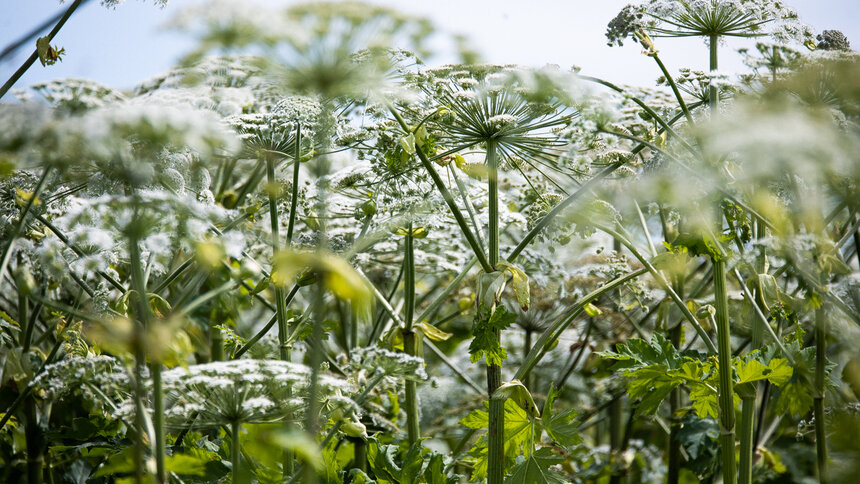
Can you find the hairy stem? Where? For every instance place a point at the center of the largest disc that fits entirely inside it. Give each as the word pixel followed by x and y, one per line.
pixel 410 341
pixel 724 357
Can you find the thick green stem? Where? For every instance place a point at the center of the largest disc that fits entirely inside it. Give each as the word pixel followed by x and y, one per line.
pixel 158 421
pixel 496 427
pixel 280 299
pixel 746 436
pixel 818 402
pixel 235 449
pixel 139 285
pixel 410 340
pixel 274 221
pixel 359 459
pixel 139 350
pixel 713 91
pixel 413 428
pixel 726 389
pixel 493 194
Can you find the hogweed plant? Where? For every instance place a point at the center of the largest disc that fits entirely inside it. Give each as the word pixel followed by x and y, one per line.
pixel 662 282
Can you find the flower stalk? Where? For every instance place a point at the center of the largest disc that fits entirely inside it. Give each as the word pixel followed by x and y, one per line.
pixel 410 340
pixel 496 426
pixel 724 357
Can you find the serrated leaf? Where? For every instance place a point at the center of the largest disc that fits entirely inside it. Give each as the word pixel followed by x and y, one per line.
pixel 777 371
pixel 518 437
pixel 637 353
pixel 535 469
pixel 484 341
pixel 705 401
pixel 560 426
pixel 794 398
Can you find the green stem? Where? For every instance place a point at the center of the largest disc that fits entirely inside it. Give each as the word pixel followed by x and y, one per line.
pixel 449 199
pixel 410 341
pixel 235 449
pixel 35 55
pixel 468 204
pixel 726 388
pixel 496 425
pixel 143 314
pixel 139 350
pixel 818 402
pixel 413 426
pixel 746 436
pixel 280 299
pixel 294 196
pixel 675 90
pixel 493 195
pixel 551 334
pixel 713 92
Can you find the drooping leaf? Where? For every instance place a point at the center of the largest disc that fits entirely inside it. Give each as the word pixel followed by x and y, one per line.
pixel 519 282
pixel 516 391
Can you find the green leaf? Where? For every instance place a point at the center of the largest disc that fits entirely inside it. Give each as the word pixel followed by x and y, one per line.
pixel 193 462
pixel 408 143
pixel 119 463
pixel 705 401
pixel 560 426
pixel 794 398
pixel 650 386
pixel 431 332
pixel 536 469
pixel 637 353
pixel 48 55
pixel 484 341
pixel 477 420
pixel 518 437
pixel 777 371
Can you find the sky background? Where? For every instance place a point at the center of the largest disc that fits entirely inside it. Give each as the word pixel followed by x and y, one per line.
pixel 127 45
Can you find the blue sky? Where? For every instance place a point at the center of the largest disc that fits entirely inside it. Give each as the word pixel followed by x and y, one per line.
pixel 127 45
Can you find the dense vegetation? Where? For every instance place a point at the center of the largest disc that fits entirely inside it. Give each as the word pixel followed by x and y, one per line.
pixel 303 255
